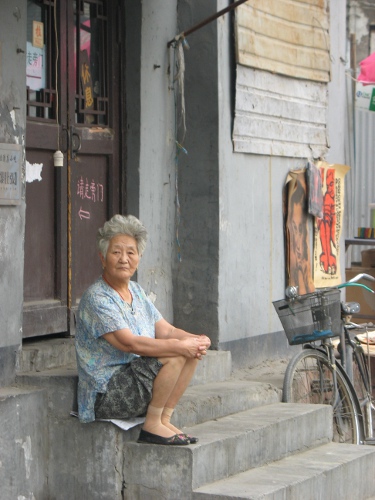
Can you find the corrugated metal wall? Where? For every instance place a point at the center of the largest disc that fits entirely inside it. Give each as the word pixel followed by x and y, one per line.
pixel 361 178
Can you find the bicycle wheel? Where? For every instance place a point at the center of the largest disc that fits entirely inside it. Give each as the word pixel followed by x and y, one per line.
pixel 362 387
pixel 309 378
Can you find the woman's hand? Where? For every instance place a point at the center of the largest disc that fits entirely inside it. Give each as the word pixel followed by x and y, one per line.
pixel 206 340
pixel 195 346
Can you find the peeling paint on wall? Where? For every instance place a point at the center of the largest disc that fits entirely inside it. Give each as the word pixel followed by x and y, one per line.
pixel 33 171
pixel 26 445
pixel 358 21
pixel 13 117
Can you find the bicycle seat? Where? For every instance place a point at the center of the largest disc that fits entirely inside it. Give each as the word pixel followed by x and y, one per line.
pixel 350 307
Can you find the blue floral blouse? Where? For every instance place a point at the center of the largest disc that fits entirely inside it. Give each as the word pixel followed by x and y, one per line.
pixel 102 310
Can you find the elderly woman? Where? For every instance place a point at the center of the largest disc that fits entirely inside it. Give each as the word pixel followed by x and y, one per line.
pixel 131 361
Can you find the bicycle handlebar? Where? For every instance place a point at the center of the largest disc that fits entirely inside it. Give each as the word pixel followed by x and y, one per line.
pixel 355 284
pixel 291 292
pixel 353 281
pixel 362 276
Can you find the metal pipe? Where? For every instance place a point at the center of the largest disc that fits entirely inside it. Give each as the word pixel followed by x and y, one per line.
pixel 206 21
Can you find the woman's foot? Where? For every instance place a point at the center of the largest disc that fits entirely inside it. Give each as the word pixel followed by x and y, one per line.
pixel 159 429
pixel 170 426
pixel 166 420
pixel 148 437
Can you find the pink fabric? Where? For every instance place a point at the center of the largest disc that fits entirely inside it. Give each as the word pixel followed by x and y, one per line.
pixel 367 74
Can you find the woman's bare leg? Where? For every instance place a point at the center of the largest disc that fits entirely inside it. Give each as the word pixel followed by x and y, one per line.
pixel 164 383
pixel 169 385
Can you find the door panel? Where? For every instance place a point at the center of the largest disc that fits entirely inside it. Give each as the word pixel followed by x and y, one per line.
pixel 90 206
pixel 66 207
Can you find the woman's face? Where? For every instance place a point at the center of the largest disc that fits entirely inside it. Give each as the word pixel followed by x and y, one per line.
pixel 122 258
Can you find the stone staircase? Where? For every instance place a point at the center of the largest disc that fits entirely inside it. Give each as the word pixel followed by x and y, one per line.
pixel 250 444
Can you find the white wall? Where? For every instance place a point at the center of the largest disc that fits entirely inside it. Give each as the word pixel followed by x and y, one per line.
pixel 157 151
pixel 252 265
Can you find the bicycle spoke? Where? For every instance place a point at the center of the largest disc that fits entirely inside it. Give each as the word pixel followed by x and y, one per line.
pixel 310 379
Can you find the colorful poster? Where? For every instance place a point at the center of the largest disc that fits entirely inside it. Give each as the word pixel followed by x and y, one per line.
pixel 327 230
pixel 298 254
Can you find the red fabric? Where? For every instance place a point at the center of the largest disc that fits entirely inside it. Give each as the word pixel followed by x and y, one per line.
pixel 367 74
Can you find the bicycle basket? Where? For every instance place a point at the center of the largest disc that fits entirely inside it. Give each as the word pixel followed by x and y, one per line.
pixel 310 317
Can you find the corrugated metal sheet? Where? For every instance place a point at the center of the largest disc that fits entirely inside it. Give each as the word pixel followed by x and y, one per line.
pixel 288 37
pixel 361 179
pixel 280 116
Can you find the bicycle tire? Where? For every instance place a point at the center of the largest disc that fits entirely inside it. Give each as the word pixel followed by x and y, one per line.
pixel 309 379
pixel 362 387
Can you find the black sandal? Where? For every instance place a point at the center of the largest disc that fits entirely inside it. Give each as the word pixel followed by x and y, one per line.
pixel 177 439
pixel 192 439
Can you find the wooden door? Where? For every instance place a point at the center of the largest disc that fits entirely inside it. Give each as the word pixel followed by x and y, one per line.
pixel 80 116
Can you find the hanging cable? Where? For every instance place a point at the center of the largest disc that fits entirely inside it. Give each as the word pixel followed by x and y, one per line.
pixel 58 157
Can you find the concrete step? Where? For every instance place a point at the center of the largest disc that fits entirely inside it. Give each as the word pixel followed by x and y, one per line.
pixel 227 446
pixel 41 355
pixel 23 443
pixel 200 403
pixel 332 471
pixel 86 460
pixel 60 385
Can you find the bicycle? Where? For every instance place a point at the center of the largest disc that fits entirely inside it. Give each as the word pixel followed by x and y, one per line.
pixel 325 373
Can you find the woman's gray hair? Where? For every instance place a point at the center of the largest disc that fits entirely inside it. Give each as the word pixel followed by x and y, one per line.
pixel 121 224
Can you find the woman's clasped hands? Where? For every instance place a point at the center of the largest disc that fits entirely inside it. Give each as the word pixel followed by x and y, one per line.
pixel 196 346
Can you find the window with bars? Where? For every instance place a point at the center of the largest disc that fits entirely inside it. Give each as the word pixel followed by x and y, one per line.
pixel 40 52
pixel 91 100
pixel 89 28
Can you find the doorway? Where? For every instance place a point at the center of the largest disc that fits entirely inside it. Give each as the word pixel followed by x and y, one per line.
pixel 73 105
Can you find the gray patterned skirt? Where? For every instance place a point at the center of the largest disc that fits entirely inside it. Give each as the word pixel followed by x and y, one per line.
pixel 129 390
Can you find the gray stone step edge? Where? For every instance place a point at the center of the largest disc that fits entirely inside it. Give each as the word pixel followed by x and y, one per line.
pixel 40 355
pixel 332 471
pixel 226 447
pixel 200 403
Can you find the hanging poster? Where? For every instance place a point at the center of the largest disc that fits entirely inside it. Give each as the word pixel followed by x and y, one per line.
pixel 327 230
pixel 10 174
pixel 298 246
pixel 35 67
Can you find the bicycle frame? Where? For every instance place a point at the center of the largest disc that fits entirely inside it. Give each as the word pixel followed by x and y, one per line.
pixel 328 348
pixel 346 355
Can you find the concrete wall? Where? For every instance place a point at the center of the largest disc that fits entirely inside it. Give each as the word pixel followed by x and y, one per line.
pixel 151 141
pixel 252 265
pixel 195 285
pixel 12 218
